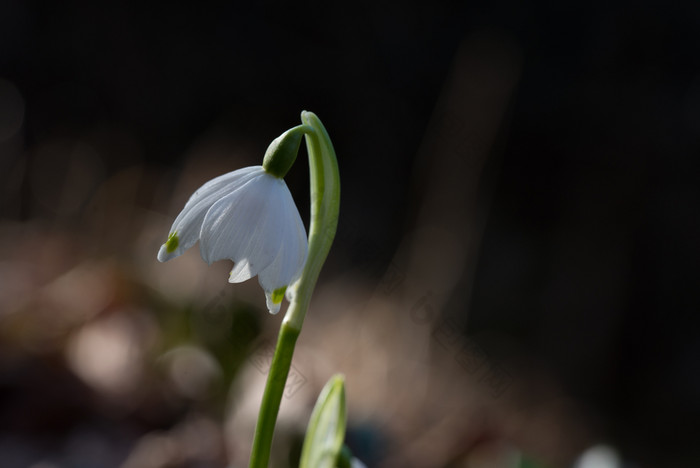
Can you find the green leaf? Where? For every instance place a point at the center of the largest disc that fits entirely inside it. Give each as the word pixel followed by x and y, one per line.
pixel 326 431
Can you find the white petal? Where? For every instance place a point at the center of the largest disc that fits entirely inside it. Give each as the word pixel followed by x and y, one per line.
pixel 289 261
pixel 291 290
pixel 241 272
pixel 244 226
pixel 188 223
pixel 272 306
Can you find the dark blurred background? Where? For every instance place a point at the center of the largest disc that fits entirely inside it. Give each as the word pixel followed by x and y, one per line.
pixel 557 144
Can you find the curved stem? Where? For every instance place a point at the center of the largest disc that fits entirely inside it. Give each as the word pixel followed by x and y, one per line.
pixel 325 205
pixel 325 202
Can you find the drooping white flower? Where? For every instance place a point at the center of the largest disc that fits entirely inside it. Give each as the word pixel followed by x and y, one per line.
pixel 247 216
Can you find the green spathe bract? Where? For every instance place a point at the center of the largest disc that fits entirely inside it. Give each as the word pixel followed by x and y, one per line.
pixel 283 150
pixel 326 432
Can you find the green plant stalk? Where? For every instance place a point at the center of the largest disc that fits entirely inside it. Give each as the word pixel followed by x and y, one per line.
pixel 325 203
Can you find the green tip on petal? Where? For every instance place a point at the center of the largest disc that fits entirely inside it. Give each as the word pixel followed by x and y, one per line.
pixel 278 294
pixel 172 243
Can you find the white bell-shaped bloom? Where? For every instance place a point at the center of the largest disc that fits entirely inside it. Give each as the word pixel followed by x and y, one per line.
pixel 247 216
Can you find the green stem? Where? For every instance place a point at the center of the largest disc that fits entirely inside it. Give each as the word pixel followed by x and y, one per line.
pixel 325 202
pixel 272 396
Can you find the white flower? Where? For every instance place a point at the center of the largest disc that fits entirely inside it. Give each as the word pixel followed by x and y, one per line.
pixel 247 216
